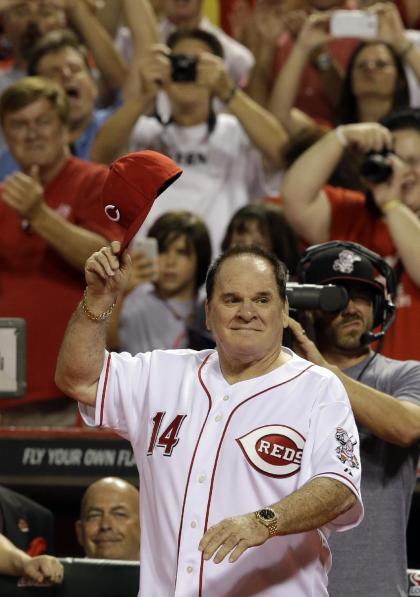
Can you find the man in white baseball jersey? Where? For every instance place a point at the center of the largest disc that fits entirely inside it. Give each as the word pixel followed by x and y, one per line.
pixel 239 449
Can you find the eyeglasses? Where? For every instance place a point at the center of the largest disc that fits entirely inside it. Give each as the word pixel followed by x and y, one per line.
pixel 40 124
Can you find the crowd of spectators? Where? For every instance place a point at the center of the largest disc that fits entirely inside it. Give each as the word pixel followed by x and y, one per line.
pixel 272 124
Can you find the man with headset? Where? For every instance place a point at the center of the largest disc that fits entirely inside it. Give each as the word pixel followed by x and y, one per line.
pixel 385 397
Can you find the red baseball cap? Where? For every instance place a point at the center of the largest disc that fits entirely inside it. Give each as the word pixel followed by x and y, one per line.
pixel 133 183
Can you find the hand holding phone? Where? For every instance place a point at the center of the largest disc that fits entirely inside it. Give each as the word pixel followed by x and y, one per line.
pixel 147 245
pixel 354 23
pixel 145 251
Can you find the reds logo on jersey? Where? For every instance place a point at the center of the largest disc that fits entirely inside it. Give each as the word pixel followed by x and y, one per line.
pixel 275 450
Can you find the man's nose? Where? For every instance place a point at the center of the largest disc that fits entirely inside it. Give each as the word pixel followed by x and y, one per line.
pixel 350 307
pixel 106 522
pixel 246 310
pixel 65 72
pixel 32 130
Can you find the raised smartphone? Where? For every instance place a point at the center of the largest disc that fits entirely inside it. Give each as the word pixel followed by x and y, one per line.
pixel 148 245
pixel 354 23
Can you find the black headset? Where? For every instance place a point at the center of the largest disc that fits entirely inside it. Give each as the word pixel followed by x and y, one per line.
pixel 383 303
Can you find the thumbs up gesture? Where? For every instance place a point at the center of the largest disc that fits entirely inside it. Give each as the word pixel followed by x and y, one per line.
pixel 24 192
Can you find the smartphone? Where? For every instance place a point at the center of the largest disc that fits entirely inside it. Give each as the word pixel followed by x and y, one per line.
pixel 148 245
pixel 354 23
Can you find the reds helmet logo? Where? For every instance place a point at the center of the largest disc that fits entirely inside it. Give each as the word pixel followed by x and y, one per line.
pixel 113 213
pixel 275 450
pixel 345 261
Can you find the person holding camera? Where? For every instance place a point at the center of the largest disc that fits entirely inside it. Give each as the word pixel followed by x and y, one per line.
pixel 385 219
pixel 385 397
pixel 228 159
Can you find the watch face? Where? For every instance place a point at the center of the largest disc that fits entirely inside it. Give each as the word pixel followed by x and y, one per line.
pixel 267 514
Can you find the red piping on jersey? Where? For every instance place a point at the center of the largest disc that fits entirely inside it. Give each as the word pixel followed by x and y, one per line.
pixel 218 453
pixel 337 475
pixel 101 416
pixel 193 457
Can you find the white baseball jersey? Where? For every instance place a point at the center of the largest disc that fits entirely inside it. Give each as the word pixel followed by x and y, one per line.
pixel 222 170
pixel 207 450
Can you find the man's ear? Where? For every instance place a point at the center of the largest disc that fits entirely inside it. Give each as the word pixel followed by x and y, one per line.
pixel 207 311
pixel 78 527
pixel 286 313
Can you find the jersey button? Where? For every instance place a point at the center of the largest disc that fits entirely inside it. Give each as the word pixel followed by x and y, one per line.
pixel 218 418
pixel 193 524
pixel 226 397
pixel 189 569
pixel 201 478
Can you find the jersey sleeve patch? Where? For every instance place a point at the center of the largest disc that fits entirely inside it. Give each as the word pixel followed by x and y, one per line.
pixel 345 449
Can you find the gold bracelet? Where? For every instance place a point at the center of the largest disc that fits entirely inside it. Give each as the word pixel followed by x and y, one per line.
pixel 390 205
pixel 101 316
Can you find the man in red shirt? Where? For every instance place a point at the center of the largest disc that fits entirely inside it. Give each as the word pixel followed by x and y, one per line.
pixel 52 219
pixel 385 220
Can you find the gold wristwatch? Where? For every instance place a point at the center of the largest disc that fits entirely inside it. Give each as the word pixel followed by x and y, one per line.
pixel 268 518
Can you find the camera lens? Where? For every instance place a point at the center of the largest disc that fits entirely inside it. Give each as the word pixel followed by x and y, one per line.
pixel 375 168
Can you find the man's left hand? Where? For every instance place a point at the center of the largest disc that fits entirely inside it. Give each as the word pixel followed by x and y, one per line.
pixel 41 569
pixel 24 193
pixel 304 346
pixel 233 535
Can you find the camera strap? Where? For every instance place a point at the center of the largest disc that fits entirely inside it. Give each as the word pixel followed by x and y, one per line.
pixel 398 271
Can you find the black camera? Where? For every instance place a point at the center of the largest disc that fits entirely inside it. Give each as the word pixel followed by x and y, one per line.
pixel 183 67
pixel 328 298
pixel 375 168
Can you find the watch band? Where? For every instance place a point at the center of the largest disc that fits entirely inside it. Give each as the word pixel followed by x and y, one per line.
pixel 272 528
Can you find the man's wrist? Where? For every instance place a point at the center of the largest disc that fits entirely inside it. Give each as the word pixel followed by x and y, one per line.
pixel 35 212
pixel 268 518
pixel 302 48
pixel 227 97
pixel 33 216
pixel 19 561
pixel 102 307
